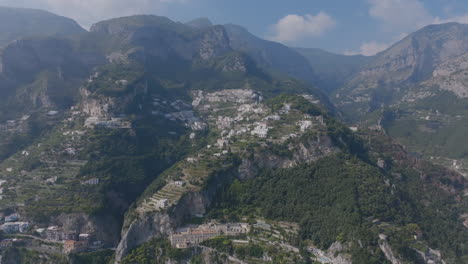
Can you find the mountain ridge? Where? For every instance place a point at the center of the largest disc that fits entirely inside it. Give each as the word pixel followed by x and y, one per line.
pixel 17 23
pixel 145 127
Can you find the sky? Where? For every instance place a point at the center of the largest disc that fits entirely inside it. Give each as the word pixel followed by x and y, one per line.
pixel 341 26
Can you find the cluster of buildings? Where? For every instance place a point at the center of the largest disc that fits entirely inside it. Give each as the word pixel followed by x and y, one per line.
pixel 194 235
pixel 189 119
pixel 72 241
pixel 114 122
pixel 13 225
pixel 231 95
pixel 55 233
pixel 260 130
pixel 183 114
pixel 81 244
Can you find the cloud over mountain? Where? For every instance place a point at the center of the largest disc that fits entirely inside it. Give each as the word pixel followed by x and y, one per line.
pixel 397 18
pixel 295 27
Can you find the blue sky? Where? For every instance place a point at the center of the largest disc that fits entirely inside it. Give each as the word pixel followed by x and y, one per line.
pixel 341 26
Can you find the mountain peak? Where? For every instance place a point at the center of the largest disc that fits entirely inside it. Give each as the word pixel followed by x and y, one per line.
pixel 136 21
pixel 17 23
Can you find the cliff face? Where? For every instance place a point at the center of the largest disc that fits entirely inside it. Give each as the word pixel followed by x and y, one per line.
pixel 419 87
pixel 161 224
pixel 414 58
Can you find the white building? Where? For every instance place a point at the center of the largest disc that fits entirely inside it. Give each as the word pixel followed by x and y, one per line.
pixel 178 183
pixel 261 130
pixel 272 117
pixel 221 143
pixel 93 181
pixel 14 227
pixel 163 203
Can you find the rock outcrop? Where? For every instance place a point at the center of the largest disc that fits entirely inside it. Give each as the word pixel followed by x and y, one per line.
pixel 387 250
pixel 161 224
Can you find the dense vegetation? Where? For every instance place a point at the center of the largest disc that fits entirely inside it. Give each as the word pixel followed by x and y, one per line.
pixel 333 200
pixel 336 198
pixel 26 256
pixel 154 252
pixel 99 257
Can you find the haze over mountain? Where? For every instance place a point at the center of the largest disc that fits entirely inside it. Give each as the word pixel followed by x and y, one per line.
pixel 146 140
pixel 416 91
pixel 17 23
pixel 332 71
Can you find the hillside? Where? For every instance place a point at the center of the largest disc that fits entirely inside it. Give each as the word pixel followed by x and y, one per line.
pixel 415 90
pixel 333 70
pixel 151 141
pixel 271 55
pixel 363 203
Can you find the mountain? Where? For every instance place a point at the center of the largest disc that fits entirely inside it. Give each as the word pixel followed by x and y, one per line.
pixel 200 23
pixel 406 64
pixel 18 23
pixel 331 70
pixel 151 141
pixel 416 91
pixel 269 54
pixel 361 203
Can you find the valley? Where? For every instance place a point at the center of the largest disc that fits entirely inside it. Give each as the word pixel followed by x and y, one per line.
pixel 145 140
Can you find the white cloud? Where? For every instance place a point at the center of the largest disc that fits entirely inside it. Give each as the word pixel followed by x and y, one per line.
pixel 400 14
pixel 399 17
pixel 87 12
pixel 407 15
pixel 294 27
pixel 369 48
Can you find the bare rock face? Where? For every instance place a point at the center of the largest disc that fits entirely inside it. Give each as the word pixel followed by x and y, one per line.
pixel 452 76
pixel 415 57
pixel 141 231
pixel 387 250
pixel 424 55
pixel 214 43
pixel 334 253
pixel 432 256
